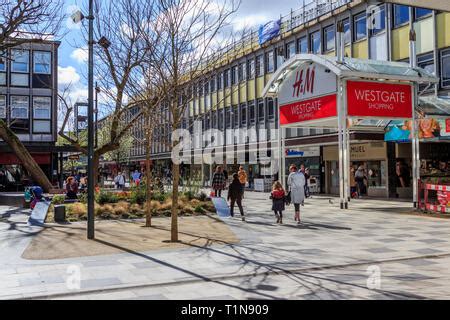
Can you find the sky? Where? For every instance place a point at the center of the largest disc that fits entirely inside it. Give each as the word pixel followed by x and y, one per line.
pixel 73 60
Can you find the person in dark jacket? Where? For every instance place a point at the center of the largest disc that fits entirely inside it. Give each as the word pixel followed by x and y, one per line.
pixel 278 197
pixel 218 182
pixel 235 193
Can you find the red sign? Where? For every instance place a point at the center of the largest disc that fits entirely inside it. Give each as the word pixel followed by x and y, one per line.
pixel 312 109
pixel 447 125
pixel 10 158
pixel 376 99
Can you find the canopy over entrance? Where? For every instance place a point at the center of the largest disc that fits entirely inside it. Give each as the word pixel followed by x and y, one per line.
pixel 347 94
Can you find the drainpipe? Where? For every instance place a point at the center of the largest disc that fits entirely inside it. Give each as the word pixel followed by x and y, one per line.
pixel 340 50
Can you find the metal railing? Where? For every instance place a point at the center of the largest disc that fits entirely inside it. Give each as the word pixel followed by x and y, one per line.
pixel 289 22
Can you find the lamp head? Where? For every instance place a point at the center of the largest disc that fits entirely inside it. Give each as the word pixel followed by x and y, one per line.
pixel 77 16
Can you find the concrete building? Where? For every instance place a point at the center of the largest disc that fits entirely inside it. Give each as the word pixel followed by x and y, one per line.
pixel 28 103
pixel 231 96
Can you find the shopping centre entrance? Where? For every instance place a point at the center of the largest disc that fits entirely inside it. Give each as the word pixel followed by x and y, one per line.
pixel 347 95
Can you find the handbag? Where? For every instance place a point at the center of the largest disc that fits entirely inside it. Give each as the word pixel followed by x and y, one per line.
pixel 287 198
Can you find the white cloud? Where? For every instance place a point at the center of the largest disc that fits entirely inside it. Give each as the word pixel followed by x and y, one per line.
pixel 80 55
pixel 249 21
pixel 68 75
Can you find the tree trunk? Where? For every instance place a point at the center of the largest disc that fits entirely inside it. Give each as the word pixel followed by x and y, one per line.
pixel 25 157
pixel 148 214
pixel 176 180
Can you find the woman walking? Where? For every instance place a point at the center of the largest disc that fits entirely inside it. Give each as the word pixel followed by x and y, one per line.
pixel 218 182
pixel 296 182
pixel 278 199
pixel 235 193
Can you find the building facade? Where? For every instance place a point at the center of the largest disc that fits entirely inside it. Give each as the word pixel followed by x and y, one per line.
pixel 230 97
pixel 28 103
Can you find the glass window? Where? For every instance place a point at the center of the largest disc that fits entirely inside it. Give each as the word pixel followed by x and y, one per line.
pixel 377 21
pixel 251 69
pixel 445 66
pixel 42 107
pixel 2 61
pixel 243 114
pixel 302 45
pixel 426 62
pixel 271 109
pixel 41 126
pixel 228 117
pixel 19 79
pixel 20 61
pixel 251 112
pixel 270 65
pixel 347 34
pixel 42 62
pixel 3 107
pixel 242 73
pixel 401 15
pixel 212 84
pixel 234 75
pixel 329 38
pixel 315 42
pixel 2 79
pixel 260 66
pixel 227 78
pixel 360 31
pixel 220 81
pixel 261 112
pixel 236 116
pixel 19 107
pixel 421 13
pixel 290 50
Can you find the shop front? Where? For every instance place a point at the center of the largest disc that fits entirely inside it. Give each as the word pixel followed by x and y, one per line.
pixel 310 158
pixel 371 156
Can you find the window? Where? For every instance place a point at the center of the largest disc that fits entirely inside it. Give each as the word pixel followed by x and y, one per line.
pixel 251 69
pixel 242 74
pixel 243 115
pixel 302 45
pixel 19 107
pixel 426 62
pixel 220 81
pixel 2 61
pixel 261 112
pixel 212 84
pixel 269 62
pixel 42 62
pixel 329 38
pixel 401 15
pixel 260 66
pixel 377 22
pixel 227 78
pixel 315 42
pixel 20 61
pixel 42 108
pixel 359 26
pixel 290 50
pixel 420 13
pixel 236 116
pixel 347 34
pixel 270 109
pixel 228 117
pixel 234 75
pixel 3 107
pixel 445 68
pixel 251 112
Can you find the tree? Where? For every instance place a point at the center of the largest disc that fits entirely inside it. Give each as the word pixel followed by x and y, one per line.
pixel 119 67
pixel 188 31
pixel 30 21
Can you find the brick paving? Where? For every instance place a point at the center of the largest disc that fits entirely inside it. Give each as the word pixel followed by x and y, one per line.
pixel 326 257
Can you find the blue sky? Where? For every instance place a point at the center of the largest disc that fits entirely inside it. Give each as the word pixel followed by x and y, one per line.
pixel 72 63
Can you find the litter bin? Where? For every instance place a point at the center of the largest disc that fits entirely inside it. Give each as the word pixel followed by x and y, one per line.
pixel 60 213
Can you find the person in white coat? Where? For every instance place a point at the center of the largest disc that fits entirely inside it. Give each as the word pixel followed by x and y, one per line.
pixel 296 182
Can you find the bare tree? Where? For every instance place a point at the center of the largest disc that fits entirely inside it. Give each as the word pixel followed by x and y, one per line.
pixel 21 22
pixel 121 57
pixel 189 30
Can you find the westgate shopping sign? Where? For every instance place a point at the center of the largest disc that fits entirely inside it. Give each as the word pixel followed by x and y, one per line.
pixel 308 93
pixel 377 99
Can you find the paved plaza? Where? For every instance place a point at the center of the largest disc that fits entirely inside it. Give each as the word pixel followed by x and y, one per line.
pixel 375 250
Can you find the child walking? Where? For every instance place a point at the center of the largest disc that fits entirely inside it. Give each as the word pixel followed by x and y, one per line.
pixel 278 196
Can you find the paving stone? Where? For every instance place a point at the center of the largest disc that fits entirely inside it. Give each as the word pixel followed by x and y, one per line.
pixel 99 283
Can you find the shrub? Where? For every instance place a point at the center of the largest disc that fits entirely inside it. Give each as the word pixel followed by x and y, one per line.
pixel 83 197
pixel 138 196
pixel 58 199
pixel 199 209
pixel 77 209
pixel 189 194
pixel 121 208
pixel 161 197
pixel 202 196
pixel 107 197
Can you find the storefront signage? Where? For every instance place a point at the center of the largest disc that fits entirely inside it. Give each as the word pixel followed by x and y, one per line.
pixel 376 99
pixel 303 152
pixel 306 82
pixel 306 110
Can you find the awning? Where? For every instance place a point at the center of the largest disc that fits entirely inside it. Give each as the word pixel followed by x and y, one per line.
pixel 434 106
